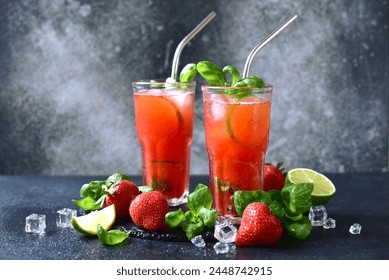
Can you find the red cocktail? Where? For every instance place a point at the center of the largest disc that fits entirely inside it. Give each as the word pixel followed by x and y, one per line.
pixel 164 125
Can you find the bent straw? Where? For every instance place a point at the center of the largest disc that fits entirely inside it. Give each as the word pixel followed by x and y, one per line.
pixel 252 54
pixel 186 40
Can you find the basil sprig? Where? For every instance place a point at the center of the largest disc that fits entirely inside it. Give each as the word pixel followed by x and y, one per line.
pixel 93 194
pixel 216 76
pixel 199 216
pixel 111 237
pixel 289 205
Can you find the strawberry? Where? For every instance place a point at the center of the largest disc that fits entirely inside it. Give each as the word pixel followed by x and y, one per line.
pixel 273 177
pixel 258 226
pixel 148 210
pixel 121 195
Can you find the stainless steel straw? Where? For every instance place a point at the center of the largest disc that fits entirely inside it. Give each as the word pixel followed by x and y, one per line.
pixel 186 40
pixel 252 54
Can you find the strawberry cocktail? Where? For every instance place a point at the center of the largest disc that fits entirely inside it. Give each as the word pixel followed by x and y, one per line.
pixel 237 123
pixel 164 125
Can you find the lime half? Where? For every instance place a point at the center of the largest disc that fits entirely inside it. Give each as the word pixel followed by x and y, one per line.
pixel 323 188
pixel 87 224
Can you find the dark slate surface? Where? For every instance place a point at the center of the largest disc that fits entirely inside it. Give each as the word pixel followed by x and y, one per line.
pixel 361 198
pixel 66 68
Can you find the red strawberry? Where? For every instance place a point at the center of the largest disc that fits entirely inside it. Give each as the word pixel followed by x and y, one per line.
pixel 273 177
pixel 148 210
pixel 258 226
pixel 121 195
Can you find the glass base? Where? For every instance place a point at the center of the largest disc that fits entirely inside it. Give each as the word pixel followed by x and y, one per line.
pixel 178 201
pixel 233 219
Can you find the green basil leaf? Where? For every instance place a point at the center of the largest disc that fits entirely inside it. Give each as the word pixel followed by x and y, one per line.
pixel 212 73
pixel 87 203
pixel 300 229
pixel 199 198
pixel 188 73
pixel 144 189
pixel 111 237
pixel 208 217
pixel 94 189
pixel 297 198
pixel 192 229
pixel 174 218
pixel 244 198
pixel 116 178
pixel 251 81
pixel 190 216
pixel 234 73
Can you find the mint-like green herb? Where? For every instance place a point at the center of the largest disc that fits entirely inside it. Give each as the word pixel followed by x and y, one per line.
pixel 188 73
pixel 93 194
pixel 199 216
pixel 290 205
pixel 111 237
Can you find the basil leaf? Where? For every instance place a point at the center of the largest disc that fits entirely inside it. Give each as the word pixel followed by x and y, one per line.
pixel 192 229
pixel 244 198
pixel 144 189
pixel 208 217
pixel 191 216
pixel 87 203
pixel 212 73
pixel 94 189
pixel 199 198
pixel 234 73
pixel 251 81
pixel 112 237
pixel 188 73
pixel 116 178
pixel 174 218
pixel 300 229
pixel 297 198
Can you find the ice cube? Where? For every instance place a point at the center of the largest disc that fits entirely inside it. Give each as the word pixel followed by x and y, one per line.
pixel 198 241
pixel 317 215
pixel 329 223
pixel 221 248
pixel 64 217
pixel 36 223
pixel 225 231
pixel 355 228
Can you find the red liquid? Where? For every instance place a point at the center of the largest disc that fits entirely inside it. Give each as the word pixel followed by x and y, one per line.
pixel 164 124
pixel 237 136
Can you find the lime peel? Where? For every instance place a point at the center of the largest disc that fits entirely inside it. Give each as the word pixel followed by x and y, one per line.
pixel 323 188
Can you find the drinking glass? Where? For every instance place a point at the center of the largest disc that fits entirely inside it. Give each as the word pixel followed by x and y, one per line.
pixel 164 125
pixel 237 123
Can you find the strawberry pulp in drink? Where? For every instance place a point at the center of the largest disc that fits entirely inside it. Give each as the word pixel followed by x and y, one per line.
pixel 164 125
pixel 237 136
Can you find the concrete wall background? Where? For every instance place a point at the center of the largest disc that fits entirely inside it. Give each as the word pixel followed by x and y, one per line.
pixel 66 68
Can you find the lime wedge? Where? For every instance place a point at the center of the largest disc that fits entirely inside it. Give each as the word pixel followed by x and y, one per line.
pixel 323 188
pixel 87 224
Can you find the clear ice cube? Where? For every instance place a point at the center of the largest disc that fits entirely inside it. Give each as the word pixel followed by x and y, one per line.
pixel 221 248
pixel 329 223
pixel 225 231
pixel 36 223
pixel 317 215
pixel 64 217
pixel 355 228
pixel 198 241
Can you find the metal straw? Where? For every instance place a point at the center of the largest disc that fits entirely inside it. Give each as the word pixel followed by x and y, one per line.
pixel 186 40
pixel 252 54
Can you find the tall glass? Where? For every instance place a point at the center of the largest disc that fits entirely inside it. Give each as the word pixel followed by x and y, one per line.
pixel 164 126
pixel 237 135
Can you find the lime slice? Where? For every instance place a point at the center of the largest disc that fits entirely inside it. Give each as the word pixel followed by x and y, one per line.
pixel 323 188
pixel 87 224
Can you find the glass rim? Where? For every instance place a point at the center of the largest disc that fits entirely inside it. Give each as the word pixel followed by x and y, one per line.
pixel 161 82
pixel 266 87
